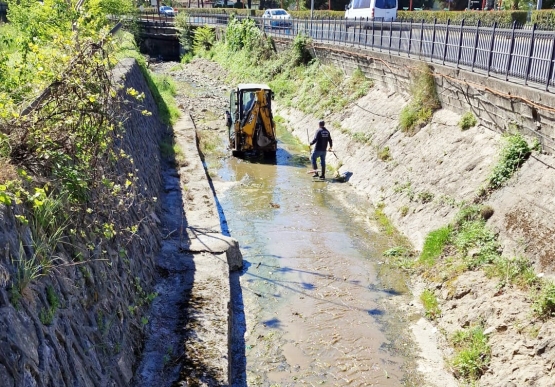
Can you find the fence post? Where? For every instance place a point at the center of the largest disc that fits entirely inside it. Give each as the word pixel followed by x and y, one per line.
pixel 433 41
pixel 530 52
pixel 550 72
pixel 400 37
pixel 510 58
pixel 446 40
pixel 475 45
pixel 390 34
pixel 421 37
pixel 492 42
pixel 334 28
pixel 381 34
pixel 373 29
pixel 460 43
pixel 366 34
pixel 410 37
pixel 360 30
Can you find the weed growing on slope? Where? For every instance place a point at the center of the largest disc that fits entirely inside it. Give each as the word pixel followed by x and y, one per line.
pixel 467 121
pixel 544 301
pixel 514 153
pixel 472 353
pixel 423 103
pixel 431 306
pixel 434 244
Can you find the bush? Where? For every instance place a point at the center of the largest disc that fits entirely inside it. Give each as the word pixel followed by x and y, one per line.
pixel 544 303
pixel 505 18
pixel 472 353
pixel 467 121
pixel 515 152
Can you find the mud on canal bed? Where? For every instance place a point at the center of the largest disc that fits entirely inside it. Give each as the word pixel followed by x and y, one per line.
pixel 314 304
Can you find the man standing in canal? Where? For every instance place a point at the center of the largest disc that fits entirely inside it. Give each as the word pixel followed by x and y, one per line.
pixel 321 138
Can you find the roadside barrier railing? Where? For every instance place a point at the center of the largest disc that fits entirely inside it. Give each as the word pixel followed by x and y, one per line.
pixel 514 52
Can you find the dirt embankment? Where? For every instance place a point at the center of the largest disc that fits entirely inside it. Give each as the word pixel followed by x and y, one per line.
pixel 421 186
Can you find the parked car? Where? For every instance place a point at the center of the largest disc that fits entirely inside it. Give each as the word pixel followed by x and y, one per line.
pixel 276 18
pixel 167 10
pixel 220 4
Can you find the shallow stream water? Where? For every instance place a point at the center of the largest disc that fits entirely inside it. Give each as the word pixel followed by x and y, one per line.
pixel 316 296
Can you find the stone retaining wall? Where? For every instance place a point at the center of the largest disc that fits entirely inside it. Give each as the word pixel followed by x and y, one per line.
pixel 96 332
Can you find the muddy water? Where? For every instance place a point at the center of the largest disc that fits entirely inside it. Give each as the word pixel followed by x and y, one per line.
pixel 317 301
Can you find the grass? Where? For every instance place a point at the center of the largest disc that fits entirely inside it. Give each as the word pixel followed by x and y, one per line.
pixel 423 103
pixel 434 244
pixel 516 271
pixel 208 140
pixel 383 220
pixel 472 353
pixel 544 301
pixel 384 154
pixel 431 306
pixel 467 121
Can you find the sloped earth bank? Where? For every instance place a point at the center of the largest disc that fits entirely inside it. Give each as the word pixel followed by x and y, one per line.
pixel 449 165
pixel 439 160
pixel 314 306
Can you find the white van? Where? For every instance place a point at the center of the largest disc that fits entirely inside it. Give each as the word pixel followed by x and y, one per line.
pixel 377 10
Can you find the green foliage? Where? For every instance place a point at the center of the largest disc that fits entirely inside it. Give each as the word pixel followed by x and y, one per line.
pixel 513 271
pixel 384 222
pixel 241 34
pixel 433 245
pixel 544 301
pixel 186 31
pixel 300 50
pixel 359 84
pixel 472 353
pixel 470 17
pixel 545 19
pixel 400 257
pixel 431 306
pixel 384 154
pixel 467 121
pixel 423 103
pixel 203 40
pixel 46 315
pixel 163 90
pixel 514 153
pixel 366 138
pixel 473 237
pixel 425 197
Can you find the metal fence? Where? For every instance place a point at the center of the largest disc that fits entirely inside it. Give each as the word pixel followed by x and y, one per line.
pixel 512 53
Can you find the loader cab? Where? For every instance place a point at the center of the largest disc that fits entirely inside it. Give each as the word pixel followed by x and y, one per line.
pixel 250 122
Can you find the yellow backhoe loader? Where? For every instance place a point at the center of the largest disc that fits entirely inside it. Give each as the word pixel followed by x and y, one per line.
pixel 250 122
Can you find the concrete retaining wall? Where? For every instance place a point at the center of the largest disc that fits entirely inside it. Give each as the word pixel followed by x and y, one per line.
pixel 499 105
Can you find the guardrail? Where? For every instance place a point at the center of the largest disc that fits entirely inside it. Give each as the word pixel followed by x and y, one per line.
pixel 513 53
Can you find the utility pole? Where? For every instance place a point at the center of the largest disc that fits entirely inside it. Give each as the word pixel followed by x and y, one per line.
pixel 311 8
